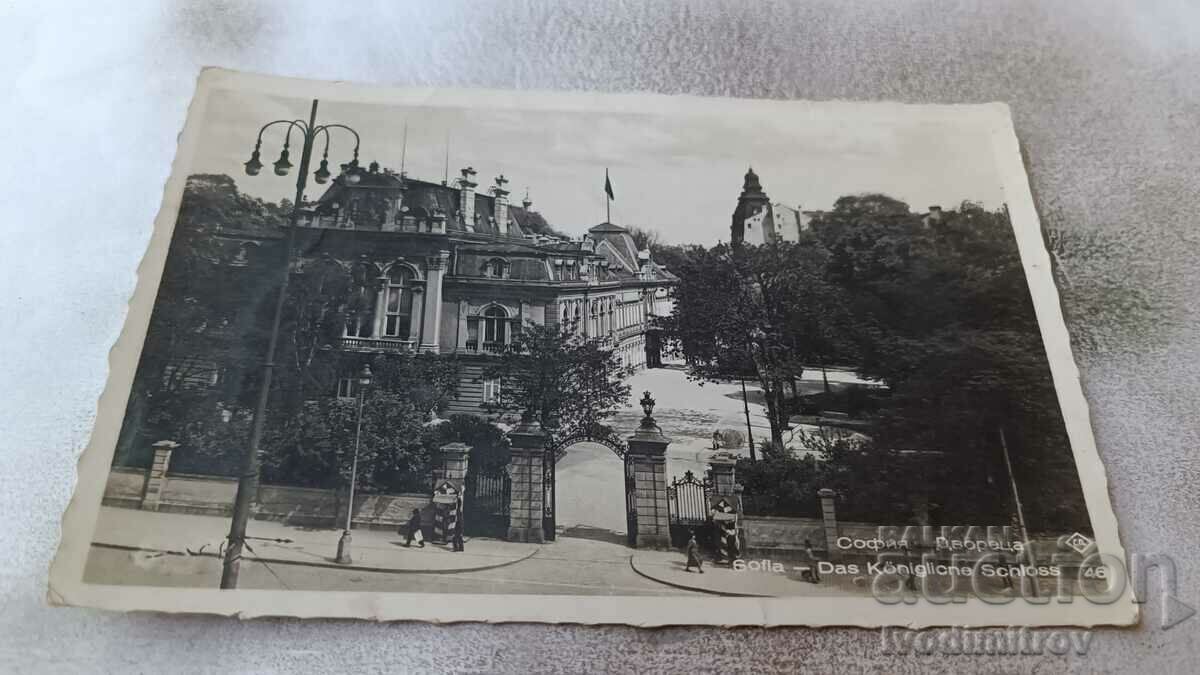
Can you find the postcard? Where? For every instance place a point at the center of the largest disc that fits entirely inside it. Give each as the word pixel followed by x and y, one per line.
pixel 467 355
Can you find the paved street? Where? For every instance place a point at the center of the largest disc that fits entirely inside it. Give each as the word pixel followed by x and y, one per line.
pixel 192 536
pixel 758 577
pixel 583 563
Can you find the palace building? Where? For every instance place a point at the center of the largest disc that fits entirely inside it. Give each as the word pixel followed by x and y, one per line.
pixel 450 268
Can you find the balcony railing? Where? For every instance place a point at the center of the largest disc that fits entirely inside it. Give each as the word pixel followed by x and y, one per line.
pixel 487 347
pixel 376 344
pixel 627 331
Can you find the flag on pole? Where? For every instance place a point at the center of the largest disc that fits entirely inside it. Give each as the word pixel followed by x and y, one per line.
pixel 608 186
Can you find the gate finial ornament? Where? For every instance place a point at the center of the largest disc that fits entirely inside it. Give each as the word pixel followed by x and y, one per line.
pixel 648 404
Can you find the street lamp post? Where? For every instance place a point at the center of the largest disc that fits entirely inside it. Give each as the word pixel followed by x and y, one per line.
pixel 248 478
pixel 343 550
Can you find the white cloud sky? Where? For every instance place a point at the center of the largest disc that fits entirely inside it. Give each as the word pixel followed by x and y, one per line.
pixel 680 175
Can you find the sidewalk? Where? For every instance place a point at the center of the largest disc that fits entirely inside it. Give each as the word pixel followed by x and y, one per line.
pixel 667 567
pixel 372 550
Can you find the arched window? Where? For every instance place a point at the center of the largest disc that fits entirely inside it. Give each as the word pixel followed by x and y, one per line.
pixel 495 328
pixel 496 268
pixel 397 302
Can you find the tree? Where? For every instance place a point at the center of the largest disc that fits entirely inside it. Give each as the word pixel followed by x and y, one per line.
pixel 566 383
pixel 644 238
pixel 760 311
pixel 204 324
pixel 311 438
pixel 489 445
pixel 941 312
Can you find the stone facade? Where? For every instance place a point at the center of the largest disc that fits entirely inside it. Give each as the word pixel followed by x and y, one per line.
pixel 451 269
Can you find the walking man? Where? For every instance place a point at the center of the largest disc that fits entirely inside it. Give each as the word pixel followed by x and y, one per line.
pixel 414 530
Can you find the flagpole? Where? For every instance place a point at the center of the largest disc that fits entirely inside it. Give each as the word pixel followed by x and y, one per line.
pixel 607 200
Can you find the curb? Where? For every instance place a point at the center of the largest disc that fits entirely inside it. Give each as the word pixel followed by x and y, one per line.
pixel 334 566
pixel 726 594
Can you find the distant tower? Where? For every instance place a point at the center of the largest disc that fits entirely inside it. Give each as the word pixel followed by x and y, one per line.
pixel 752 220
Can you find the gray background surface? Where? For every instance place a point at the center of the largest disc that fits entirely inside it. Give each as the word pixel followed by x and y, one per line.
pixel 1106 101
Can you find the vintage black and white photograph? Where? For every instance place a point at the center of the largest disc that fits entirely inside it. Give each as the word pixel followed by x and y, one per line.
pixel 590 357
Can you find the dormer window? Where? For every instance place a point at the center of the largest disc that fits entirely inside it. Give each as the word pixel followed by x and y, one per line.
pixel 496 268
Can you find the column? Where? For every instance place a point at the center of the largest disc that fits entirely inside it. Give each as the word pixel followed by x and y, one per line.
pixel 435 266
pixel 462 325
pixel 647 453
pixel 156 479
pixel 829 521
pixel 377 329
pixel 416 317
pixel 526 505
pixel 586 317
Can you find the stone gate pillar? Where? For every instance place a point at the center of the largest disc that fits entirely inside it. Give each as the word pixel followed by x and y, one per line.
pixel 449 480
pixel 829 522
pixel 452 465
pixel 156 479
pixel 647 454
pixel 723 503
pixel 526 505
pixel 720 468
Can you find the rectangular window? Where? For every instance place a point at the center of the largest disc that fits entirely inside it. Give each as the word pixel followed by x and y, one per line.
pixel 398 310
pixel 347 387
pixel 491 390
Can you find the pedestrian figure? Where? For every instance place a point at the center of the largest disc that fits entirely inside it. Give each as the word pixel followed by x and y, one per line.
pixel 813 573
pixel 693 555
pixel 716 440
pixel 414 530
pixel 457 540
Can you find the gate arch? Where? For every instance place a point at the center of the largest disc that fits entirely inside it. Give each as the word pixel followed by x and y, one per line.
pixel 602 436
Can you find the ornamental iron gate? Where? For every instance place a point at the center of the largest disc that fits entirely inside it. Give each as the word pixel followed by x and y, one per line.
pixel 486 502
pixel 550 491
pixel 687 509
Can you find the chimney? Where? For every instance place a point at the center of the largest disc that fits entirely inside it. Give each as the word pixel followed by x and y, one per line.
pixel 501 195
pixel 466 198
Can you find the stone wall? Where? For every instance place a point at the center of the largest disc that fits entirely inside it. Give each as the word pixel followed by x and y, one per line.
pixel 125 487
pixel 772 533
pixel 310 507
